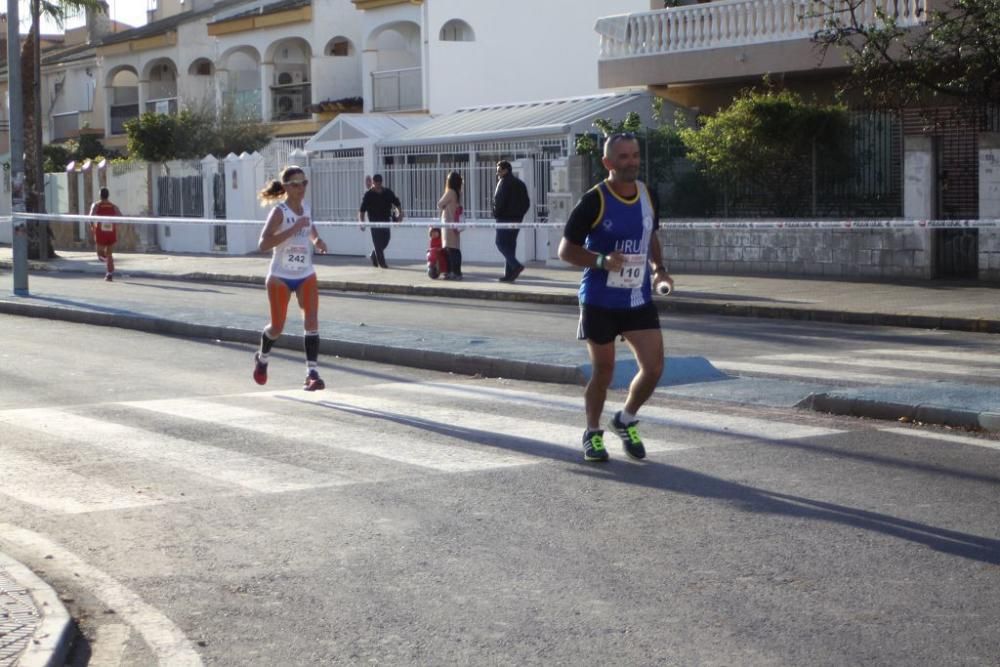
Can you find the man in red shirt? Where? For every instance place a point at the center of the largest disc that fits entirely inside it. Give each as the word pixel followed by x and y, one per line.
pixel 105 233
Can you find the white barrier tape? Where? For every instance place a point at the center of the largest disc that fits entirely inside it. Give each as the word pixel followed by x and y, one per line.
pixel 791 225
pixel 861 225
pixel 138 220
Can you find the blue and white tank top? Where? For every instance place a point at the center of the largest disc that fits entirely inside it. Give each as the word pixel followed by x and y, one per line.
pixel 625 225
pixel 293 258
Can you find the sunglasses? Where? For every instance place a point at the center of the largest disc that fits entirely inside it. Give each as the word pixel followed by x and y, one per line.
pixel 302 183
pixel 618 136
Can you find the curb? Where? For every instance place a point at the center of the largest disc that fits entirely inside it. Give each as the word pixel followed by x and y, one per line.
pixel 454 362
pixel 679 370
pixel 892 411
pixel 49 644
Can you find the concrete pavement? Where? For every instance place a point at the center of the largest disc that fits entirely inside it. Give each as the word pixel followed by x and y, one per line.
pixel 34 624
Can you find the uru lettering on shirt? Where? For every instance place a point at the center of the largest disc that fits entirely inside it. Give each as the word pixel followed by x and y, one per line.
pixel 629 246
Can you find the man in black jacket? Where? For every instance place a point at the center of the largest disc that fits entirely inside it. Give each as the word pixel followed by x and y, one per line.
pixel 378 203
pixel 510 203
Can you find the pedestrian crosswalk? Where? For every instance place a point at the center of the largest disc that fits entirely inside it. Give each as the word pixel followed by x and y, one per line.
pixel 136 454
pixel 873 365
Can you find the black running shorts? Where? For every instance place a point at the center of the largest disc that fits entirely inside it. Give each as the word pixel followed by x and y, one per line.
pixel 603 325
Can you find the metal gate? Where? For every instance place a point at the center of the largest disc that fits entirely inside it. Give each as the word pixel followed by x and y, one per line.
pixel 180 196
pixel 338 183
pixel 417 173
pixel 219 240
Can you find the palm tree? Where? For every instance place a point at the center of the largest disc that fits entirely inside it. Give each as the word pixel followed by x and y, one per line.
pixel 31 99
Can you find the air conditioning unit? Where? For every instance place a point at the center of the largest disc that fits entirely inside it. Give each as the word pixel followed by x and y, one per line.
pixel 290 103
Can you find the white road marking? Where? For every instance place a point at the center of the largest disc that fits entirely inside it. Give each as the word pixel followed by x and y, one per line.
pixel 35 482
pixel 108 647
pixel 448 418
pixel 424 453
pixel 166 641
pixel 713 422
pixel 225 465
pixel 970 357
pixel 946 437
pixel 893 364
pixel 794 371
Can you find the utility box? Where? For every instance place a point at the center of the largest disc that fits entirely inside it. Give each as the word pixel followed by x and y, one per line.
pixel 560 204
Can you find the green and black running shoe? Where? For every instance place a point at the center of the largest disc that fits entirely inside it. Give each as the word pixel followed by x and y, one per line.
pixel 593 446
pixel 629 435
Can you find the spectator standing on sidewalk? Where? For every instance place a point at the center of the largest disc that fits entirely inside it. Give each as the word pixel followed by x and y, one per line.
pixel 450 206
pixel 378 202
pixel 611 233
pixel 291 236
pixel 510 204
pixel 105 233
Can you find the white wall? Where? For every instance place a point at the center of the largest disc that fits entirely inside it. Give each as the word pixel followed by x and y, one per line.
pixel 523 50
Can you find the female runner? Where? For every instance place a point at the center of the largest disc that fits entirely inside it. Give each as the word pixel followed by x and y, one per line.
pixel 289 232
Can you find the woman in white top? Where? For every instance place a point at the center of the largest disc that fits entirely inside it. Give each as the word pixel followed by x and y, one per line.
pixel 451 211
pixel 290 234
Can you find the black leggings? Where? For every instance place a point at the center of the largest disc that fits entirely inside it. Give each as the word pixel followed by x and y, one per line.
pixel 454 261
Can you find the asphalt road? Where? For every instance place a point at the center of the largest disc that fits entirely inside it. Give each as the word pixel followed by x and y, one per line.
pixel 408 517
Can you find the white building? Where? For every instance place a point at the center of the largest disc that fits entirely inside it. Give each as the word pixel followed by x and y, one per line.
pixel 441 55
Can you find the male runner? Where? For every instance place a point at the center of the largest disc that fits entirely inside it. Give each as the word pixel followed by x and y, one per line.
pixel 612 234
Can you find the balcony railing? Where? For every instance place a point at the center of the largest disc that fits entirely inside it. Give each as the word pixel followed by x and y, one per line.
pixel 735 23
pixel 166 105
pixel 120 114
pixel 246 104
pixel 398 90
pixel 65 125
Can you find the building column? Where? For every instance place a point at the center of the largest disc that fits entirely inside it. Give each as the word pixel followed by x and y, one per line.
pixel 220 85
pixel 143 95
pixel 369 64
pixel 266 81
pixel 920 199
pixel 989 205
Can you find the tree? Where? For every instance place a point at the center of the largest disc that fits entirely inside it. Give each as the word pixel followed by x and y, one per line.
pixel 772 142
pixel 192 134
pixel 152 137
pixel 954 56
pixel 31 109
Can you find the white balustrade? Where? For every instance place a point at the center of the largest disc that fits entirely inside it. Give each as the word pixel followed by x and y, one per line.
pixel 739 22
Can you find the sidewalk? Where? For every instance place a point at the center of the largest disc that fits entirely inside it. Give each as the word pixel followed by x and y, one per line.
pixel 33 622
pixel 934 304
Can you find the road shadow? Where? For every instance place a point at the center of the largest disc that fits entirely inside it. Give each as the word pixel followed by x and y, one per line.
pixel 657 475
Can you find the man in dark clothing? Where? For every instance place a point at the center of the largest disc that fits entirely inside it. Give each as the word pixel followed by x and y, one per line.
pixel 378 203
pixel 510 203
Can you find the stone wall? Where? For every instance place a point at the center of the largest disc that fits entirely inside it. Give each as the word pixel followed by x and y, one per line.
pixel 877 253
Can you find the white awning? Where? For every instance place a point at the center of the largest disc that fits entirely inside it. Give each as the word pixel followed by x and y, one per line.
pixel 570 116
pixel 361 130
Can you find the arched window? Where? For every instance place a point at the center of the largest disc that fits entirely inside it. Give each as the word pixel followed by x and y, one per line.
pixel 201 67
pixel 340 47
pixel 457 30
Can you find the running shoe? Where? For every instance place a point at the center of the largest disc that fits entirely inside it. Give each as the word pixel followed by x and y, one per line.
pixel 629 435
pixel 593 446
pixel 259 369
pixel 314 382
pixel 108 277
